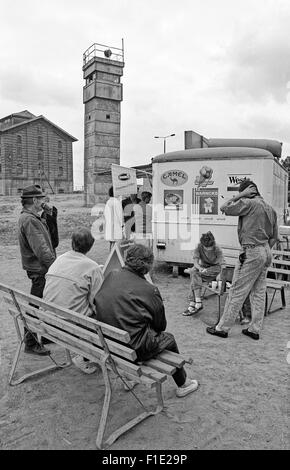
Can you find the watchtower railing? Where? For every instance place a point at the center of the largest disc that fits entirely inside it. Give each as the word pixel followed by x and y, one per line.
pixel 101 50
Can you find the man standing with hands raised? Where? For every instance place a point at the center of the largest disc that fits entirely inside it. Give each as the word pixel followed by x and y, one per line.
pixel 258 233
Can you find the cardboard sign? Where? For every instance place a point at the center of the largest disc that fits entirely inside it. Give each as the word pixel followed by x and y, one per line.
pixel 115 260
pixel 124 180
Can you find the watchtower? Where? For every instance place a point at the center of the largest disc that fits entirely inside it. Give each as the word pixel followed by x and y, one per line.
pixel 102 96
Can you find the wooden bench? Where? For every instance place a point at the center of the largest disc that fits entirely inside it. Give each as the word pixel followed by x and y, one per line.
pixel 98 342
pixel 278 274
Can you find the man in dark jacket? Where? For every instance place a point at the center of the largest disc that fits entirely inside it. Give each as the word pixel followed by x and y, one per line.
pixel 37 252
pixel 129 302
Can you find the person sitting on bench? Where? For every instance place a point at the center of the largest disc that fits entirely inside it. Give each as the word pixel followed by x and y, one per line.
pixel 128 301
pixel 208 261
pixel 73 280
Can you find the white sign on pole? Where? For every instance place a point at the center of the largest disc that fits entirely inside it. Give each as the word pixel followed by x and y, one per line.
pixel 124 180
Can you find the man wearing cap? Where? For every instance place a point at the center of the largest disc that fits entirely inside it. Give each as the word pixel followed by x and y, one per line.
pixel 37 252
pixel 258 233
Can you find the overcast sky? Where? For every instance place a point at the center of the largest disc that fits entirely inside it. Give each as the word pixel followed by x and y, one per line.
pixel 221 68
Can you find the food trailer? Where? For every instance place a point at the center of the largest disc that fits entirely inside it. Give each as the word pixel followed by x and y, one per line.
pixel 189 187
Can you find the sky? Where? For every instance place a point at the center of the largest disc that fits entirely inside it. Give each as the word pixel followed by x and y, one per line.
pixel 220 68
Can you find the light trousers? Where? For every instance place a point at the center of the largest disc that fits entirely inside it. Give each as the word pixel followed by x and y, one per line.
pixel 249 278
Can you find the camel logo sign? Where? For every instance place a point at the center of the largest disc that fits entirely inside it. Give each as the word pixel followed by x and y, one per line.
pixel 124 177
pixel 174 178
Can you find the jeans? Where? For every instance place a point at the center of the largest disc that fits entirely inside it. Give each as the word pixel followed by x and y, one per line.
pixel 37 288
pixel 167 341
pixel 249 278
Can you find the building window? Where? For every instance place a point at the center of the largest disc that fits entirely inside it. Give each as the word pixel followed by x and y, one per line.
pixel 60 171
pixel 40 141
pixel 19 140
pixel 59 144
pixel 60 155
pixel 108 116
pixel 60 190
pixel 40 154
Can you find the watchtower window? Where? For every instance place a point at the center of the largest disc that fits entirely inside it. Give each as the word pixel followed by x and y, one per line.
pixel 108 77
pixel 19 169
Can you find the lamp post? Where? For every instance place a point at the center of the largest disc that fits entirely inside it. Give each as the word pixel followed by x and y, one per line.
pixel 164 140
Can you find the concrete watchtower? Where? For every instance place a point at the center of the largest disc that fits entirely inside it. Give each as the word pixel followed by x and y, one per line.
pixel 102 96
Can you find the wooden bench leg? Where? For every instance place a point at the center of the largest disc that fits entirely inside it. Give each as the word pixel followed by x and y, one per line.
pixel 100 443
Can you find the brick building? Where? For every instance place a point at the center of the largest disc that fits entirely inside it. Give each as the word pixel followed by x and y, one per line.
pixel 33 150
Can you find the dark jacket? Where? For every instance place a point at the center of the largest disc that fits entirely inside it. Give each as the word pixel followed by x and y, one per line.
pixel 50 217
pixel 36 249
pixel 127 301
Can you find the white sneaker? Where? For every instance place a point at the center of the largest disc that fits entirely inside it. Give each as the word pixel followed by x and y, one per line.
pixel 85 366
pixel 186 390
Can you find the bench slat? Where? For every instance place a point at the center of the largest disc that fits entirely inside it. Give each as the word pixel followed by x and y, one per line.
pixel 160 366
pixel 280 271
pixel 87 350
pixel 281 261
pixel 64 324
pixel 110 331
pixel 153 374
pixel 171 358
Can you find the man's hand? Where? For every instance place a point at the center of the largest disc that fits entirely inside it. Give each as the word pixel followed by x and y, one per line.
pixel 249 192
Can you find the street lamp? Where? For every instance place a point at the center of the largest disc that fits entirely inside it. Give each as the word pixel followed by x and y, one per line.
pixel 164 139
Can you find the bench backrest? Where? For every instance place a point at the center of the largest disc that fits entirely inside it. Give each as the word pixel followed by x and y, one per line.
pixel 80 334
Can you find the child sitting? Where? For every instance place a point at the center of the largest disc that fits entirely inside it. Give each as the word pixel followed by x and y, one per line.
pixel 208 262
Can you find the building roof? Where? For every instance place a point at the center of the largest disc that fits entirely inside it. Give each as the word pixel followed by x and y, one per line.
pixel 215 153
pixel 29 120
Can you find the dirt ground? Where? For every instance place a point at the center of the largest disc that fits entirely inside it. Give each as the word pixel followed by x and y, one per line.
pixel 241 402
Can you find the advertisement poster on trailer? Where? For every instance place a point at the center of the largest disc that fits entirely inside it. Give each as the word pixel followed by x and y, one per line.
pixel 206 199
pixel 234 181
pixel 124 180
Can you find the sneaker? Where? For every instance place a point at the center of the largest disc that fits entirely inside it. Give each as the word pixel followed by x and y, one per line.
pixel 189 311
pixel 85 366
pixel 37 350
pixel 213 331
pixel 187 389
pixel 251 334
pixel 192 310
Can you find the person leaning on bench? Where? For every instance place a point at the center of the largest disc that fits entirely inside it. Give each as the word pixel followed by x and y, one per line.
pixel 128 301
pixel 73 280
pixel 258 233
pixel 37 252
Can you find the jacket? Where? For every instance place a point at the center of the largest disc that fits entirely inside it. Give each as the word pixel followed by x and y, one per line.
pixel 36 249
pixel 127 301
